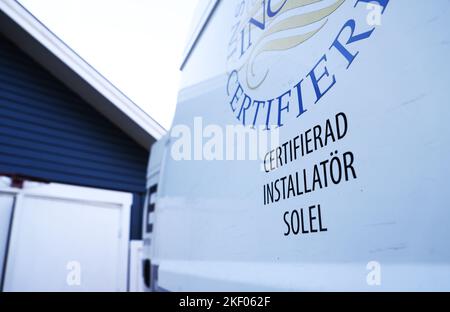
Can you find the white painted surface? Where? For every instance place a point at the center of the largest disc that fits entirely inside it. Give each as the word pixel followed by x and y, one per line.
pixel 136 281
pixel 60 231
pixel 6 207
pixel 212 230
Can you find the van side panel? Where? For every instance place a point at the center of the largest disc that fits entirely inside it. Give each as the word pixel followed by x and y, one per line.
pixel 363 204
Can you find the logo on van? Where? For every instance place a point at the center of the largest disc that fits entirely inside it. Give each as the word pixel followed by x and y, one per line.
pixel 268 26
pixel 263 32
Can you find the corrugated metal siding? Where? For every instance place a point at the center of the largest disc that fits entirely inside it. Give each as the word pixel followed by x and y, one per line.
pixel 48 132
pixel 137 211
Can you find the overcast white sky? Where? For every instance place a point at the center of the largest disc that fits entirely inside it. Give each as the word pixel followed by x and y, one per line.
pixel 136 44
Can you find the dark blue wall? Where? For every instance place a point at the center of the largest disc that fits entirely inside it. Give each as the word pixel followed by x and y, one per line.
pixel 49 133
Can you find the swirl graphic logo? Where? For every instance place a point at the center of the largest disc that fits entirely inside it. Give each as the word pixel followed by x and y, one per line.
pixel 267 85
pixel 269 25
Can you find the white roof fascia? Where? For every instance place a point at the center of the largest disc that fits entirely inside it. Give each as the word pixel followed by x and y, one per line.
pixel 17 13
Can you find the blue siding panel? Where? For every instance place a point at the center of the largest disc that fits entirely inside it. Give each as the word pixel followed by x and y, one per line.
pixel 137 215
pixel 48 132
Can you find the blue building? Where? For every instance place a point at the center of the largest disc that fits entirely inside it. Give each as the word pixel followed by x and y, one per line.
pixel 64 129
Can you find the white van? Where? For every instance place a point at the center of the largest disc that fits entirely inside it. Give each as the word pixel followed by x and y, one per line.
pixel 310 150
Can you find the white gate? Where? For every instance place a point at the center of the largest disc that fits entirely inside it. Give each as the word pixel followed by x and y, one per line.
pixel 64 238
pixel 6 208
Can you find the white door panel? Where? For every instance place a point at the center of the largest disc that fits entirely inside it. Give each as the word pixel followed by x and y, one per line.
pixel 6 207
pixel 67 238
